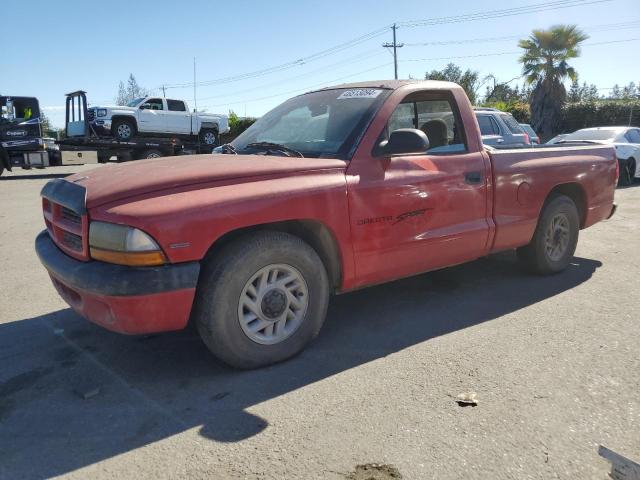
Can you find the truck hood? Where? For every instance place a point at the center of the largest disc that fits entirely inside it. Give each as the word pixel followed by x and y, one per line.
pixel 114 107
pixel 119 181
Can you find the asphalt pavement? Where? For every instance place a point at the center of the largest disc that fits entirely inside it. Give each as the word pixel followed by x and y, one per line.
pixel 554 362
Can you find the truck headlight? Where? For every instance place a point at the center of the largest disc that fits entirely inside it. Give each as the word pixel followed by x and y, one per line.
pixel 102 112
pixel 124 245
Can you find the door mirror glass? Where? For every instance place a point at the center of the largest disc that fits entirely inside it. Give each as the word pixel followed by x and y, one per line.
pixel 405 140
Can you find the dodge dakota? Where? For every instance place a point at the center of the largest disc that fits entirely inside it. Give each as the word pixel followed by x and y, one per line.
pixel 331 191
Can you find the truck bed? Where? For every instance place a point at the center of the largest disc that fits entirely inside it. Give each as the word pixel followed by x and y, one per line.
pixel 522 177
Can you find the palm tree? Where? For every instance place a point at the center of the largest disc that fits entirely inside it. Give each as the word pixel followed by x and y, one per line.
pixel 544 65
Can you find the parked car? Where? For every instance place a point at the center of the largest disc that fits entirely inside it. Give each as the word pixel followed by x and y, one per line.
pixel 626 141
pixel 499 128
pixel 556 139
pixel 159 117
pixel 331 191
pixel 533 136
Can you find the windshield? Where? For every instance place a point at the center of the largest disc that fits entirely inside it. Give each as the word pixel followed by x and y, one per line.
pixel 135 102
pixel 326 123
pixel 605 134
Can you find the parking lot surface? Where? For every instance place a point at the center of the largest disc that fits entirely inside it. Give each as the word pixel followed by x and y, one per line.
pixel 554 361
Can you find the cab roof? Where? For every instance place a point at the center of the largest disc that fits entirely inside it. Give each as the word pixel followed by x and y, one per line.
pixel 395 84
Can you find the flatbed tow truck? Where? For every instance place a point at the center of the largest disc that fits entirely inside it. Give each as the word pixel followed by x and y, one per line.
pixel 82 144
pixel 22 144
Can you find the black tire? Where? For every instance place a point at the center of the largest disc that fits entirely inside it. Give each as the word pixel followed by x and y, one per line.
pixel 628 171
pixel 151 153
pixel 535 256
pixel 209 137
pixel 123 129
pixel 223 280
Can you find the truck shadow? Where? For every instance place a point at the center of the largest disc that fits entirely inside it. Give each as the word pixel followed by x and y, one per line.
pixel 151 388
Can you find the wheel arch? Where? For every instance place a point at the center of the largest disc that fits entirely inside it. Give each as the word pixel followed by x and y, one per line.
pixel 576 193
pixel 209 126
pixel 129 118
pixel 313 232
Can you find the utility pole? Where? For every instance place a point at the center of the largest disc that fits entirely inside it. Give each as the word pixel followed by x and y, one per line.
pixel 195 101
pixel 164 93
pixel 395 46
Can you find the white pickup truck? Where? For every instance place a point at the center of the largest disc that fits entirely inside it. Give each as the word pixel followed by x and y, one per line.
pixel 159 117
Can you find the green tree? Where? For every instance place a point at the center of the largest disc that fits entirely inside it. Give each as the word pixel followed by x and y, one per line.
pixel 545 67
pixel 130 91
pixel 469 79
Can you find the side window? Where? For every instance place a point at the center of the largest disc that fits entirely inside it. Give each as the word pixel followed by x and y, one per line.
pixel 153 104
pixel 433 114
pixel 176 106
pixel 488 125
pixel 633 136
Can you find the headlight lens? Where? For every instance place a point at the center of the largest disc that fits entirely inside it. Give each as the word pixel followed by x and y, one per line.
pixel 124 245
pixel 102 112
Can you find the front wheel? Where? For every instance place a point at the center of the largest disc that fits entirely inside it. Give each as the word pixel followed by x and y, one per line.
pixel 261 299
pixel 209 137
pixel 123 130
pixel 555 239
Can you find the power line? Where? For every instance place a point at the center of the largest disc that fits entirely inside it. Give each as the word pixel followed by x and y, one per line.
pixel 593 29
pixel 485 15
pixel 519 52
pixel 540 7
pixel 287 65
pixel 354 59
pixel 302 89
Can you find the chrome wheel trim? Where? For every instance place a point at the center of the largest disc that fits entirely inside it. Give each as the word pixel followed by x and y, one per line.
pixel 556 238
pixel 273 304
pixel 209 138
pixel 124 130
pixel 153 155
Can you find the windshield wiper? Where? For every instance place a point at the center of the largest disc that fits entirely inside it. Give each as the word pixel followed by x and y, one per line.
pixel 268 146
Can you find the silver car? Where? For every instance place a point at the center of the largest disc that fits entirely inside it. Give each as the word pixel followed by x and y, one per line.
pixel 499 128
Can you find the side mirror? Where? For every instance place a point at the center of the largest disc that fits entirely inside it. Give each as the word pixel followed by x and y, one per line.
pixel 144 106
pixel 405 140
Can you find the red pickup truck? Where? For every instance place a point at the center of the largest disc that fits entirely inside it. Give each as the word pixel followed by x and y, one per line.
pixel 333 190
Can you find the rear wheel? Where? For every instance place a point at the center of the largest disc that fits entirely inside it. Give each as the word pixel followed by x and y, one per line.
pixel 628 171
pixel 261 299
pixel 151 153
pixel 123 130
pixel 555 239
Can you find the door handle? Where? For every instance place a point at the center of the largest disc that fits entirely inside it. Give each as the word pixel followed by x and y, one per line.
pixel 473 178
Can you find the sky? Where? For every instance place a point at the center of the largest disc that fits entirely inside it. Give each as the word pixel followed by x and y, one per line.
pixel 57 47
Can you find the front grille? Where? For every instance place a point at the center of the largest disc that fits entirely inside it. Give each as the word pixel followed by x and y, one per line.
pixel 67 228
pixel 71 216
pixel 73 241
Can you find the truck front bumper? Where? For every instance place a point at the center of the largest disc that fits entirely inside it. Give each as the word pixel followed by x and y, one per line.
pixel 131 300
pixel 102 127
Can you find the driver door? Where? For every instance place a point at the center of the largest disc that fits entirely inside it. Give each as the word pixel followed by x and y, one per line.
pixel 151 116
pixel 417 212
